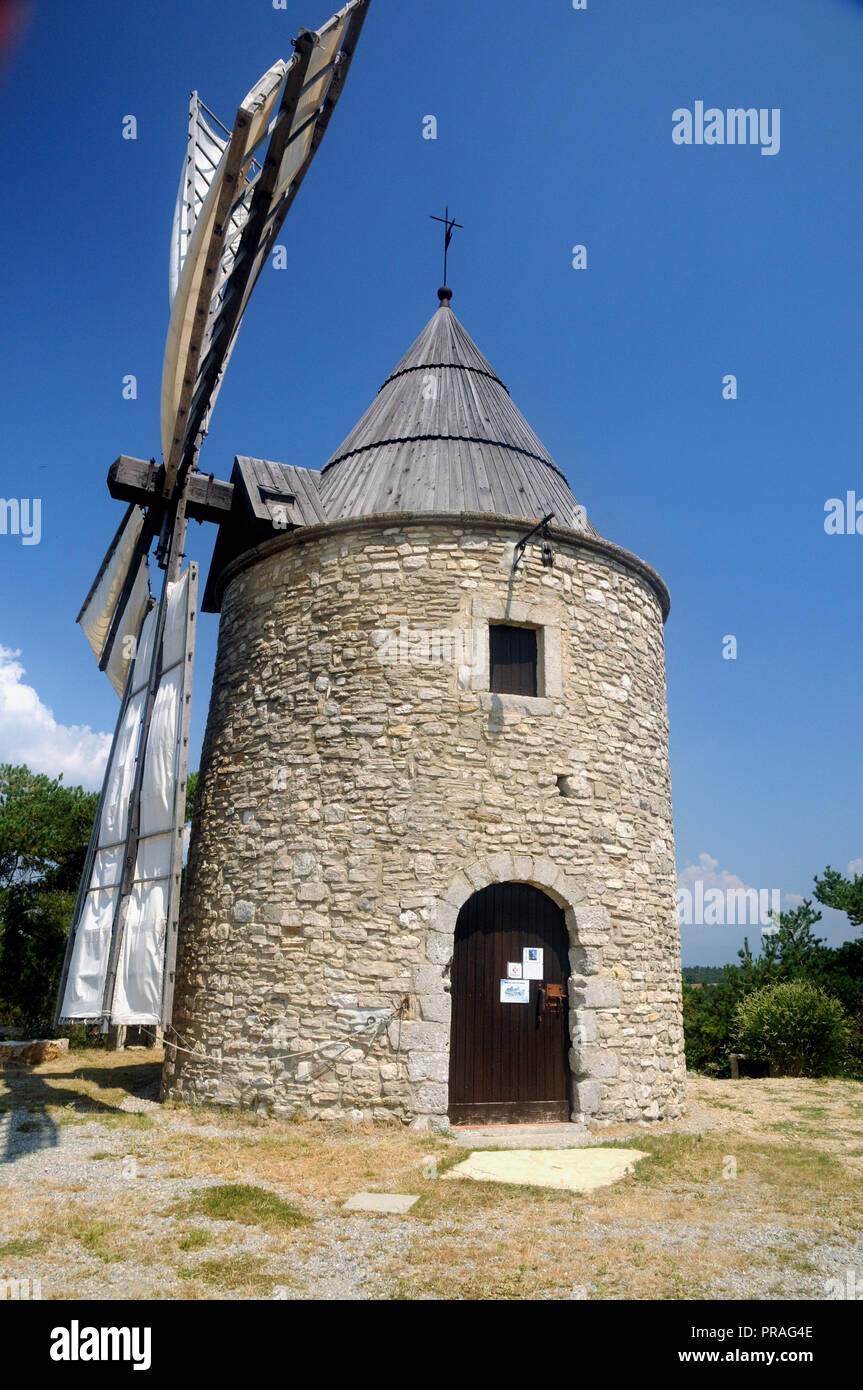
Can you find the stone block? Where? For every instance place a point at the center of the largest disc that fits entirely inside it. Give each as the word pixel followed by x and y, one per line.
pixel 443 917
pixel 501 868
pixel 439 948
pixel 417 1035
pixel 595 993
pixel 592 919
pixel 588 1097
pixel 585 960
pixel 428 1066
pixel 431 1124
pixel 582 1025
pixel 595 1062
pixel 522 868
pixel 437 1008
pixel 34 1051
pixel 477 875
pixel 432 1097
pixel 312 892
pixel 545 873
pixel 459 890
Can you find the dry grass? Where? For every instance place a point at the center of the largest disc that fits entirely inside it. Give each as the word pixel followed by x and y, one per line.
pixel 322 1162
pixel 734 1201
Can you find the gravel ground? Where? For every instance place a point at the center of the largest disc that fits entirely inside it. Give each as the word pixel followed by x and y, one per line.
pixel 105 1227
pixel 56 1165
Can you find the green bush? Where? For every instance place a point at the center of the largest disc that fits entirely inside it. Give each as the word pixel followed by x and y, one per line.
pixel 796 1026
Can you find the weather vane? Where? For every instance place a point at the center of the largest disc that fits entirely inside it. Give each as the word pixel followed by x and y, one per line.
pixel 450 224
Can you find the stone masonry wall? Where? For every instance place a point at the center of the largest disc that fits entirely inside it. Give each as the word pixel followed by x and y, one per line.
pixel 359 782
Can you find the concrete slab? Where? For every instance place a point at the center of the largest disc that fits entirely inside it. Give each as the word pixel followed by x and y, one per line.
pixel 552 1136
pixel 575 1170
pixel 383 1203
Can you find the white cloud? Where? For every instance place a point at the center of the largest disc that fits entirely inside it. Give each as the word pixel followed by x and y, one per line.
pixel 708 872
pixel 854 868
pixel 30 734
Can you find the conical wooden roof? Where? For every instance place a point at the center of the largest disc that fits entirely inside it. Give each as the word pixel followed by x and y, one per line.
pixel 443 435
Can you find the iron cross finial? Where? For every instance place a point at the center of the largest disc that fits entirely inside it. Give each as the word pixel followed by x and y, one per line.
pixel 450 224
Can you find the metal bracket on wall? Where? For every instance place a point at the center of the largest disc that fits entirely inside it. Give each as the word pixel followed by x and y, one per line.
pixel 547 552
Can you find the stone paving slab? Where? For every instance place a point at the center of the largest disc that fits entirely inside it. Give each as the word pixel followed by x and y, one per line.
pixel 384 1203
pixel 576 1170
pixel 552 1136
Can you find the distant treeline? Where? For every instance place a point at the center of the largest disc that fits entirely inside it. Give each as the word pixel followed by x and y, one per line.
pixel 703 974
pixel 713 995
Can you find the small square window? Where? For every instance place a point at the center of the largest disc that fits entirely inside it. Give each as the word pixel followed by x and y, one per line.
pixel 512 660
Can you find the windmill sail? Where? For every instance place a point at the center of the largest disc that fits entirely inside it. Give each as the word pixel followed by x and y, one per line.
pixel 131 926
pixel 120 956
pixel 240 219
pixel 206 145
pixel 141 985
pixel 213 235
pixel 112 612
pixel 128 627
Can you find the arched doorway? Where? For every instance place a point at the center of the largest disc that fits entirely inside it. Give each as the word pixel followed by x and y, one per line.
pixel 509 1036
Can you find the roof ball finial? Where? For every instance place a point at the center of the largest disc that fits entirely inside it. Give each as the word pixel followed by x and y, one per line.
pixel 444 294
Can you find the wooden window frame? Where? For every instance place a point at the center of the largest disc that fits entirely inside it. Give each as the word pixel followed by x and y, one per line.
pixel 545 618
pixel 537 691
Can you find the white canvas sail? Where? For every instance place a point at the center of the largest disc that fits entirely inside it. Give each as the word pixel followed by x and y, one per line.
pixel 141 971
pixel 143 918
pixel 203 156
pixel 96 911
pixel 97 612
pixel 123 647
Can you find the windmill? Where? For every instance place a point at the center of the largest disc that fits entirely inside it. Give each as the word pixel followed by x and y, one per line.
pixel 236 188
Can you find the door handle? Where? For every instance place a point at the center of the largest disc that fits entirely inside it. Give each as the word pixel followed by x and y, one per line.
pixel 540 1003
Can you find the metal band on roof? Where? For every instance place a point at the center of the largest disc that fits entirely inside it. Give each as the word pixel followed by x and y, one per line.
pixel 445 366
pixel 447 438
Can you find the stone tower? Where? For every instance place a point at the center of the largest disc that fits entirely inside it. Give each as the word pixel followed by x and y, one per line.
pixel 429 750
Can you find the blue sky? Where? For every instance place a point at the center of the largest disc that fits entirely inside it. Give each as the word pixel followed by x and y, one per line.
pixel 554 129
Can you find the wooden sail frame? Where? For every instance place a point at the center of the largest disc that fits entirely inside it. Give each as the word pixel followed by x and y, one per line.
pixel 217 316
pixel 230 236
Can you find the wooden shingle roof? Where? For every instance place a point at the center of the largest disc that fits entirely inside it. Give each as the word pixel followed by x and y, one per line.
pixel 443 435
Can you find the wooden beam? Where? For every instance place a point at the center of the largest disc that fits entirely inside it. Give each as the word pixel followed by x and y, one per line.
pixel 135 480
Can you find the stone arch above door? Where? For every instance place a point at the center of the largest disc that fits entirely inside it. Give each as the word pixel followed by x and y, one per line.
pixel 427 1039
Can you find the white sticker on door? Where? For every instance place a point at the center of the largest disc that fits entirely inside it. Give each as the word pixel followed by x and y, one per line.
pixel 515 991
pixel 532 963
pixel 513 969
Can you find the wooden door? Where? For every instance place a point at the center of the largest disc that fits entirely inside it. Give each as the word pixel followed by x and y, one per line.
pixel 508 1060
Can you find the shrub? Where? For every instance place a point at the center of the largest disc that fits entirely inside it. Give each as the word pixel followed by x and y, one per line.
pixel 794 1025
